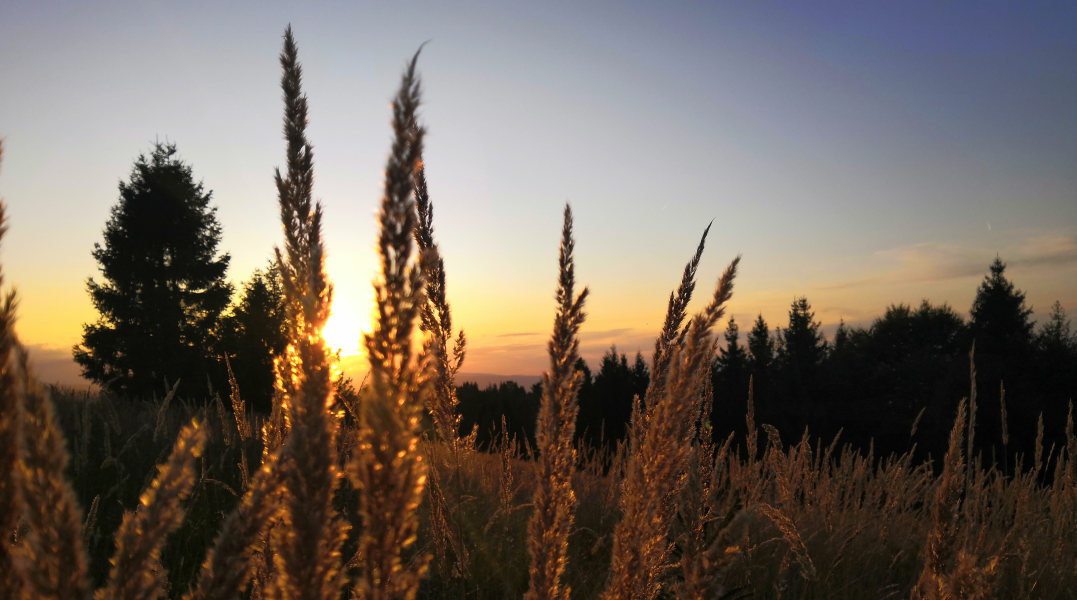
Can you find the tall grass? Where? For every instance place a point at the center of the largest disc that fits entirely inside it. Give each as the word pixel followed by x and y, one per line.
pixel 339 495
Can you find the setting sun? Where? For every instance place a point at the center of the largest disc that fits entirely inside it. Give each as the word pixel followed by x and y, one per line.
pixel 344 332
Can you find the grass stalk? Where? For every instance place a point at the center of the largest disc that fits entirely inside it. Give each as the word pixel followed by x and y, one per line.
pixel 388 466
pixel 307 559
pixel 551 521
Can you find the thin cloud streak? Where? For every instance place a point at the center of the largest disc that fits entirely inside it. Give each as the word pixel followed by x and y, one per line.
pixel 920 263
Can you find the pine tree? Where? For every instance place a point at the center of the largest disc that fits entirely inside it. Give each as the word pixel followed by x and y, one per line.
pixel 804 347
pixel 641 376
pixel 1056 362
pixel 800 357
pixel 1003 335
pixel 729 380
pixel 732 359
pixel 253 333
pixel 761 348
pixel 1056 331
pixel 164 283
pixel 1000 320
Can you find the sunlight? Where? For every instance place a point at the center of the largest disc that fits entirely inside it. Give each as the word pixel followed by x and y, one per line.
pixel 344 332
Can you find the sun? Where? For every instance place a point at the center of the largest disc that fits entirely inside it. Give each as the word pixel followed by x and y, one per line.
pixel 344 332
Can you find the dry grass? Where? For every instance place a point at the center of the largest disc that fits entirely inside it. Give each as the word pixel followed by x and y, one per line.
pixel 554 500
pixel 347 499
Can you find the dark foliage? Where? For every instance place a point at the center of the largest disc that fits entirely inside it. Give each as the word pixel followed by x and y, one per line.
pixel 869 384
pixel 164 285
pixel 481 410
pixel 253 333
pixel 606 404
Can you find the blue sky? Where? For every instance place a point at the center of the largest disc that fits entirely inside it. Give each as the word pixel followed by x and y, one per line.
pixel 855 153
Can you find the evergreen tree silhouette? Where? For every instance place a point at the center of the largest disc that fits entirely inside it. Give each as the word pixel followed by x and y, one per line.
pixel 729 380
pixel 253 333
pixel 761 349
pixel 164 287
pixel 606 409
pixel 1000 320
pixel 1003 333
pixel 641 375
pixel 1055 369
pixel 800 356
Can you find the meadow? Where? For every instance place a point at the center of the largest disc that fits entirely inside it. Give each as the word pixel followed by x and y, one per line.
pixel 370 492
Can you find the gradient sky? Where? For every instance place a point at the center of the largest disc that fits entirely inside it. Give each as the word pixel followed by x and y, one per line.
pixel 855 153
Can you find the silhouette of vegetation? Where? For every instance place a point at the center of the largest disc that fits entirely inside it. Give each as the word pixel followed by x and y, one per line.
pixel 253 333
pixel 164 285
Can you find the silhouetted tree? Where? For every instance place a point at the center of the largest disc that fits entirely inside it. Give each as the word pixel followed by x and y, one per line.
pixel 164 283
pixel 761 348
pixel 879 379
pixel 761 351
pixel 606 408
pixel 1003 333
pixel 254 333
pixel 729 380
pixel 482 409
pixel 800 355
pixel 1056 365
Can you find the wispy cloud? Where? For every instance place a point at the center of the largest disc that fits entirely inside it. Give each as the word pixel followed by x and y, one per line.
pixel 1047 250
pixel 605 335
pixel 517 334
pixel 931 262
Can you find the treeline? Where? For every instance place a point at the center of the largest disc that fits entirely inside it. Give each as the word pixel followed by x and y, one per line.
pixel 171 322
pixel 891 387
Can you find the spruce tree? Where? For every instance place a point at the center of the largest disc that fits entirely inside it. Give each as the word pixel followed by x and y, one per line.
pixel 729 380
pixel 761 348
pixel 1055 368
pixel 253 333
pixel 1003 334
pixel 641 376
pixel 800 357
pixel 732 359
pixel 1000 320
pixel 804 347
pixel 163 287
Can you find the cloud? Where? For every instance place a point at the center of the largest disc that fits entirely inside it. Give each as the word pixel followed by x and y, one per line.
pixel 604 335
pixel 504 348
pixel 516 334
pixel 930 262
pixel 1047 250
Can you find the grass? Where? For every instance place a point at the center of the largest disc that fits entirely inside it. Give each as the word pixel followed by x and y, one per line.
pixel 351 495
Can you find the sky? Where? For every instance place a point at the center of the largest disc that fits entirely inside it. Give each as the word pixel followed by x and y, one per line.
pixel 858 154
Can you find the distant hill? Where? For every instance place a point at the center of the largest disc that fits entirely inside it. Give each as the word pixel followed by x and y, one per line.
pixel 486 379
pixel 54 365
pixel 356 367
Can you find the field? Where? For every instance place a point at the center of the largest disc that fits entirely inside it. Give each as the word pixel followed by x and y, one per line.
pixel 808 521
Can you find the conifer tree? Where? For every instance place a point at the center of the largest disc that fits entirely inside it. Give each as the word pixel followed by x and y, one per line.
pixel 761 348
pixel 732 359
pixel 1056 331
pixel 729 381
pixel 1055 368
pixel 253 333
pixel 1000 320
pixel 163 287
pixel 804 347
pixel 641 375
pixel 1002 332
